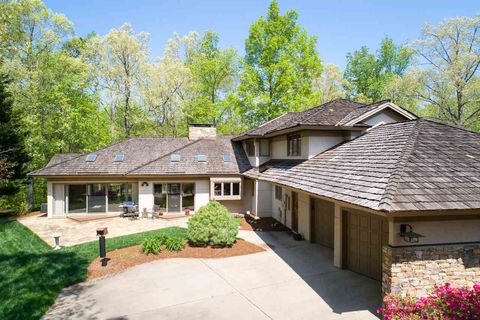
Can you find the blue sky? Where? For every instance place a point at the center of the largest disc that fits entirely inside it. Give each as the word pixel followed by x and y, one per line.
pixel 341 26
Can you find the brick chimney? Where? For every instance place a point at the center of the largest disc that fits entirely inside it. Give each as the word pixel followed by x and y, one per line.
pixel 201 131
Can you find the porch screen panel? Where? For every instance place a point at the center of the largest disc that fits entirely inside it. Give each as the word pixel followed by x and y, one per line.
pixel 188 196
pixel 77 198
pixel 97 200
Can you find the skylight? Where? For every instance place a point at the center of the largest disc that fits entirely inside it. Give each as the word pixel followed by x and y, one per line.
pixel 91 157
pixel 227 158
pixel 119 158
pixel 175 158
pixel 202 158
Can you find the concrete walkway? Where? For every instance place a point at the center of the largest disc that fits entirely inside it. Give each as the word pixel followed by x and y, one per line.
pixel 74 232
pixel 292 280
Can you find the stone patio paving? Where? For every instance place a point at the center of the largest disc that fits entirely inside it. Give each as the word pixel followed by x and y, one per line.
pixel 74 232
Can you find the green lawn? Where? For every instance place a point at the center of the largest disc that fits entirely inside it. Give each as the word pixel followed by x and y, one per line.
pixel 32 274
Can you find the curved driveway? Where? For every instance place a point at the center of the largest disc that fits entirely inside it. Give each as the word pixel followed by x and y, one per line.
pixel 291 280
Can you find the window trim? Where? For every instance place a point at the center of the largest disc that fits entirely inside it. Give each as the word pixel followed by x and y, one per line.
pixel 222 183
pixel 250 147
pixel 294 145
pixel 267 154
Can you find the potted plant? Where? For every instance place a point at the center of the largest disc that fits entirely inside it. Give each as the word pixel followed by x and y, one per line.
pixel 160 213
pixel 187 211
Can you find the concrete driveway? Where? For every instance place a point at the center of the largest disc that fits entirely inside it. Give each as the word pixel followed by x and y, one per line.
pixel 291 280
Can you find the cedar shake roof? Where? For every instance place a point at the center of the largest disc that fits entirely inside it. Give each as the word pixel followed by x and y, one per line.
pixel 327 114
pixel 155 154
pixel 61 157
pixel 408 166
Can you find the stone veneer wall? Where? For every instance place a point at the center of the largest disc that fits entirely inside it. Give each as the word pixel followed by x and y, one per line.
pixel 413 271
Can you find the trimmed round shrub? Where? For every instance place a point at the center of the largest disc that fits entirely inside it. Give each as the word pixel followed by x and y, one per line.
pixel 212 225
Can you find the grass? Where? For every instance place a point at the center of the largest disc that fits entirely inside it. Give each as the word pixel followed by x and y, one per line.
pixel 32 274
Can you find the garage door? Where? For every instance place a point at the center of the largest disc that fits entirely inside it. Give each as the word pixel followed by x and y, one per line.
pixel 322 222
pixel 365 235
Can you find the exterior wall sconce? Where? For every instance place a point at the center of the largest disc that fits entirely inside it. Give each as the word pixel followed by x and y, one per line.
pixel 145 184
pixel 406 231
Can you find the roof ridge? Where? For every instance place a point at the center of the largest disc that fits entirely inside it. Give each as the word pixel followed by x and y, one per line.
pixel 386 200
pixel 162 156
pixel 377 103
pixel 323 105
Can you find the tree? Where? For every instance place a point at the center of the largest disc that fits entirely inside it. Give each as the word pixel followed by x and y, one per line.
pixel 368 74
pixel 449 80
pixel 167 86
pixel 281 62
pixel 331 84
pixel 123 56
pixel 13 156
pixel 214 78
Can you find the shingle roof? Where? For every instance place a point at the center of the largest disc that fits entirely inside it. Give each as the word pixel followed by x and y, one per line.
pixel 139 152
pixel 327 114
pixel 409 166
pixel 61 157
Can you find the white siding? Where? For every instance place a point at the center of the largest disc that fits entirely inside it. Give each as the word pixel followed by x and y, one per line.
pixel 49 199
pixel 264 206
pixel 58 199
pixel 321 141
pixel 202 193
pixel 145 196
pixel 304 215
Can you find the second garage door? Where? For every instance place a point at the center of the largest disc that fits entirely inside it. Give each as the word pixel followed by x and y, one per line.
pixel 322 222
pixel 365 236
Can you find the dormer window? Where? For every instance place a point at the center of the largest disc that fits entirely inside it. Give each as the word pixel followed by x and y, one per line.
pixel 294 143
pixel 175 158
pixel 227 158
pixel 250 145
pixel 264 148
pixel 91 158
pixel 119 158
pixel 202 158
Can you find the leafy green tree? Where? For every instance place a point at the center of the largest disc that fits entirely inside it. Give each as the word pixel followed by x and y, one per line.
pixel 280 64
pixel 448 79
pixel 368 74
pixel 214 74
pixel 121 63
pixel 330 85
pixel 13 156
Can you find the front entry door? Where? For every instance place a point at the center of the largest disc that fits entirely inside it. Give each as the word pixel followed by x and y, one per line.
pixel 295 211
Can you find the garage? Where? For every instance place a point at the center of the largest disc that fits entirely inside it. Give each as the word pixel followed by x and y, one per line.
pixel 322 222
pixel 365 234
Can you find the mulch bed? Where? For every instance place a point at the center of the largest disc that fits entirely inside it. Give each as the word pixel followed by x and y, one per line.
pixel 261 224
pixel 122 259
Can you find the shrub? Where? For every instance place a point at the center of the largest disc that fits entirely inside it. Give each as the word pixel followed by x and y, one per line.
pixel 445 303
pixel 174 244
pixel 151 245
pixel 212 225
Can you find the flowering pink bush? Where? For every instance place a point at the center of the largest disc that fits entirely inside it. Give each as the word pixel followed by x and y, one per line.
pixel 445 303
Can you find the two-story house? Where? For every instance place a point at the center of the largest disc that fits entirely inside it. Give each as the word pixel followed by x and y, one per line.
pixel 395 197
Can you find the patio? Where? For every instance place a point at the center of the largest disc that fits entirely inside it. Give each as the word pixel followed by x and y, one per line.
pixel 75 232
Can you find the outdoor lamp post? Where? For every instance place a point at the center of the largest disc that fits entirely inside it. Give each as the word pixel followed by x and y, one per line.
pixel 101 233
pixel 56 240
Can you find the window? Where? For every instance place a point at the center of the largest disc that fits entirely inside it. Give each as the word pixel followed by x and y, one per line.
pixel 174 197
pixel 265 148
pixel 202 158
pixel 175 158
pixel 227 190
pixel 250 148
pixel 97 200
pixel 278 193
pixel 77 198
pixel 91 158
pixel 294 145
pixel 119 158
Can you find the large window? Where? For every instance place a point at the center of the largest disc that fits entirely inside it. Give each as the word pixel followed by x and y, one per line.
pixel 118 193
pixel 294 143
pixel 250 148
pixel 278 192
pixel 100 197
pixel 264 148
pixel 77 198
pixel 226 190
pixel 97 200
pixel 174 197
